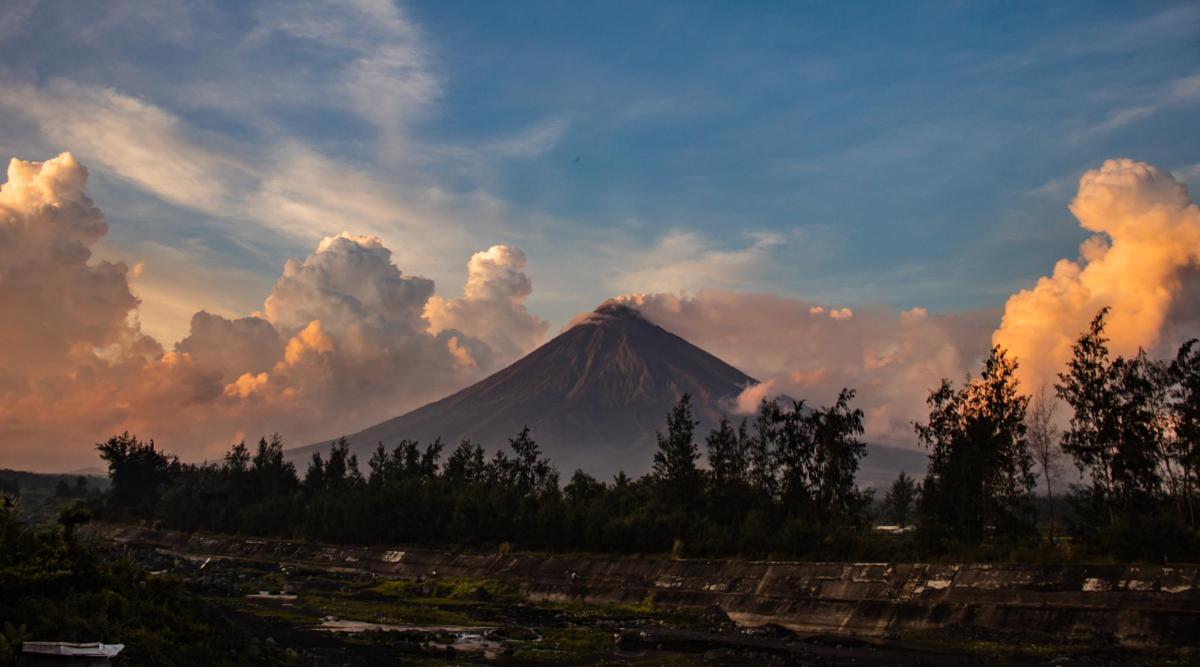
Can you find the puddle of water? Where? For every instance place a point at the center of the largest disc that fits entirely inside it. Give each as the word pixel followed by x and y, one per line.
pixel 473 644
pixel 467 639
pixel 268 595
pixel 331 624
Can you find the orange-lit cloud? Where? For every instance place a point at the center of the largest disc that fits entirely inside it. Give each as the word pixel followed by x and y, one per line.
pixel 1141 263
pixel 342 340
pixel 345 339
pixel 810 351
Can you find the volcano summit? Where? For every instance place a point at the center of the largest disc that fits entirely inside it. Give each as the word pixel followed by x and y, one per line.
pixel 593 396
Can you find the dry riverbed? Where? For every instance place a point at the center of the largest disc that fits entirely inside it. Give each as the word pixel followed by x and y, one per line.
pixel 309 616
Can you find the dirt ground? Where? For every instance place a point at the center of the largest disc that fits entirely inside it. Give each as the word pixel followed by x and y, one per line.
pixel 318 617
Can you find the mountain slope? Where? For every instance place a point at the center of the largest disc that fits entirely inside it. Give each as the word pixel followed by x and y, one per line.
pixel 593 396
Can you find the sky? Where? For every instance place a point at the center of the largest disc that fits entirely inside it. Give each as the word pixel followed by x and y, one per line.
pixel 482 172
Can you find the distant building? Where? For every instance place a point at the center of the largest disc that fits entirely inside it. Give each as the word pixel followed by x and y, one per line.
pixel 64 654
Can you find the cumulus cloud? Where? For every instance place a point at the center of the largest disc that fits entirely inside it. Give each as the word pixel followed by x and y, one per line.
pixel 348 280
pixel 231 347
pixel 492 307
pixel 47 229
pixel 73 361
pixel 804 350
pixel 1141 262
pixel 342 340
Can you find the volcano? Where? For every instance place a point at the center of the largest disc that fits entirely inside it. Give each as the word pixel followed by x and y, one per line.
pixel 593 398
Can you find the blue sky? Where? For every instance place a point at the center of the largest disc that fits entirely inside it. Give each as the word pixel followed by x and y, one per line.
pixel 913 154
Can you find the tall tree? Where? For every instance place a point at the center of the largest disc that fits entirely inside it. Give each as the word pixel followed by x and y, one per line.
pixel 139 472
pixel 980 479
pixel 899 499
pixel 836 433
pixel 764 448
pixel 1116 431
pixel 530 472
pixel 1184 374
pixel 675 460
pixel 727 453
pixel 1044 445
pixel 795 458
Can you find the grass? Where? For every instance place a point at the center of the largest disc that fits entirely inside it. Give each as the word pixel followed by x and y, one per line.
pixel 450 588
pixel 1024 646
pixel 400 612
pixel 570 644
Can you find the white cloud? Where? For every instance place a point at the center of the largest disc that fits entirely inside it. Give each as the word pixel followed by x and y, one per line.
pixel 134 140
pixel 683 261
pixel 492 307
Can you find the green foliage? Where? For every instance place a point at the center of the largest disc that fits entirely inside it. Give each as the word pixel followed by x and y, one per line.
pixel 449 588
pixel 52 588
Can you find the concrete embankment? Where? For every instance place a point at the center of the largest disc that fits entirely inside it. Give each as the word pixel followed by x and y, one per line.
pixel 1137 605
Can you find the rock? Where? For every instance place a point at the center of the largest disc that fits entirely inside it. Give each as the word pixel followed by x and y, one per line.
pixel 715 616
pixel 770 631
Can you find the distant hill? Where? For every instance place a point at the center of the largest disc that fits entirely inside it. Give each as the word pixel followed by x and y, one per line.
pixel 593 397
pixel 39 483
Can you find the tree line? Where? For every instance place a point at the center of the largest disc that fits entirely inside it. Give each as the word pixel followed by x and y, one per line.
pixel 780 483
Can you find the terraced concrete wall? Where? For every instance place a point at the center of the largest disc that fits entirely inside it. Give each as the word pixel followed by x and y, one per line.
pixel 1138 605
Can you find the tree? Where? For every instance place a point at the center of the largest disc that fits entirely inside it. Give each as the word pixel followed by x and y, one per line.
pixel 899 500
pixel 237 459
pixel 1115 432
pixel 980 479
pixel 795 458
pixel 728 453
pixel 675 461
pixel 466 464
pixel 1043 445
pixel 139 472
pixel 837 450
pixel 1184 375
pixel 531 473
pixel 764 448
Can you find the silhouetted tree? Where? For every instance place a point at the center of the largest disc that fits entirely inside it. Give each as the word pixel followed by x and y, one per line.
pixel 139 473
pixel 899 500
pixel 466 464
pixel 1042 435
pixel 837 450
pixel 1114 432
pixel 1184 377
pixel 980 478
pixel 675 461
pixel 764 448
pixel 728 453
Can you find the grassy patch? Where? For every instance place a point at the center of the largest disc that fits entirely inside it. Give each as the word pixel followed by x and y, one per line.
pixel 450 588
pixel 371 611
pixel 1032 645
pixel 571 644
